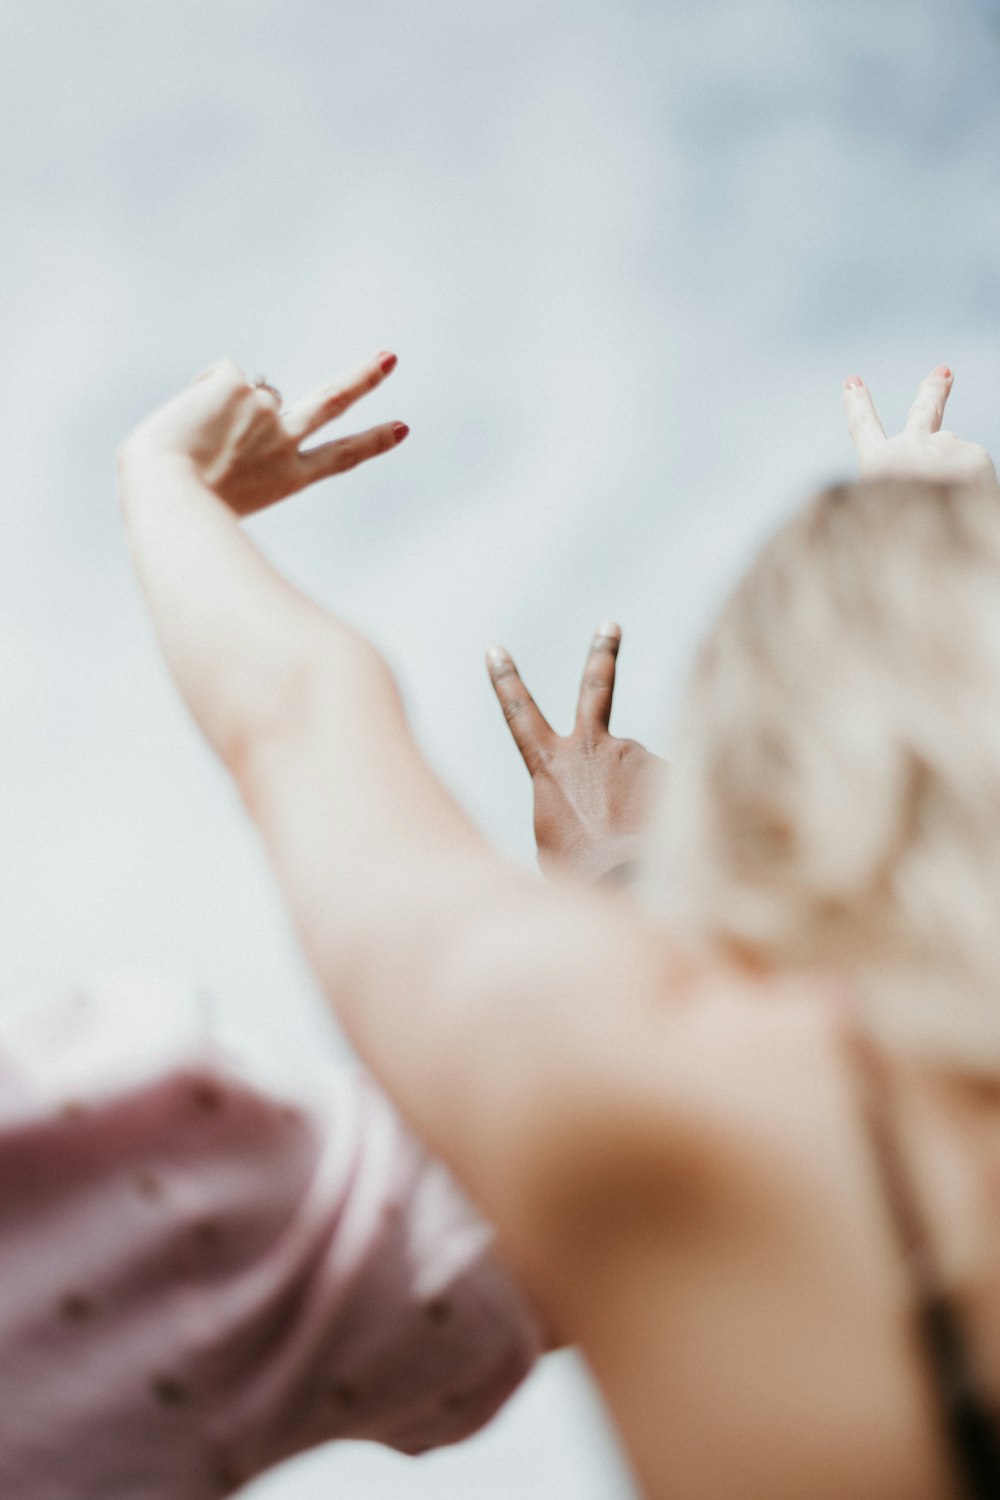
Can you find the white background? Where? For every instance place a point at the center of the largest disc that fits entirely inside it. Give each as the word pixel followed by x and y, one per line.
pixel 627 253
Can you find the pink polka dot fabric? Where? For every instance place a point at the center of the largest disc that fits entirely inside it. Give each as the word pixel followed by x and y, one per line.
pixel 208 1265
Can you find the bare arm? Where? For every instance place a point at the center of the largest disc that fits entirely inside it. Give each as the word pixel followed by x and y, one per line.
pixel 498 1013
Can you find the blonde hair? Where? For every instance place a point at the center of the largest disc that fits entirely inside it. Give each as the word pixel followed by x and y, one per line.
pixel 834 794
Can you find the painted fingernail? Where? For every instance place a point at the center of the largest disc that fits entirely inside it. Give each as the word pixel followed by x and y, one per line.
pixel 853 383
pixel 943 371
pixel 609 628
pixel 496 656
pixel 399 431
pixel 387 363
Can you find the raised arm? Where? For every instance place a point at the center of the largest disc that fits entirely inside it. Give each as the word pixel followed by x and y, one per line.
pixel 497 1012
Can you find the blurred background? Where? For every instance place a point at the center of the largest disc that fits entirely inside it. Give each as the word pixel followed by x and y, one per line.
pixel 627 253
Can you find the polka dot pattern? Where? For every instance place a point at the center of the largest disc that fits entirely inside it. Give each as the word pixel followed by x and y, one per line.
pixel 182 1237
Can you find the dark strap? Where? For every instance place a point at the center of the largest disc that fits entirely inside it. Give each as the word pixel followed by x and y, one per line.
pixel 968 1416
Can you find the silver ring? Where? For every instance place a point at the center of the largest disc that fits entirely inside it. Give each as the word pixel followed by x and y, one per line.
pixel 260 384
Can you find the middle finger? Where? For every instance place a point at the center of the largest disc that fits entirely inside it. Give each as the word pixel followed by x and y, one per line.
pixel 315 410
pixel 927 411
pixel 593 710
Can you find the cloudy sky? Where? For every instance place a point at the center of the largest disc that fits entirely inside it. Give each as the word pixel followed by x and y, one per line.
pixel 626 251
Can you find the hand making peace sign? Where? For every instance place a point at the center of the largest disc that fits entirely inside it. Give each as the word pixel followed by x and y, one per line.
pixel 246 448
pixel 921 450
pixel 592 791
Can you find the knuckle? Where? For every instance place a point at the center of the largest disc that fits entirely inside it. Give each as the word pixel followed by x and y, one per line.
pixel 516 708
pixel 540 760
pixel 231 372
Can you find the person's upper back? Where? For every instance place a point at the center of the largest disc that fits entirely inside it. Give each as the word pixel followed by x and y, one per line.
pixel 743 1300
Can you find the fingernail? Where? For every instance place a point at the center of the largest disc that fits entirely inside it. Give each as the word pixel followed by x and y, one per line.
pixel 943 371
pixel 387 363
pixel 853 383
pixel 496 656
pixel 609 628
pixel 399 431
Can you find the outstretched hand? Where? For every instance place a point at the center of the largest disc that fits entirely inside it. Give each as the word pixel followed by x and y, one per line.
pixel 245 448
pixel 592 791
pixel 921 450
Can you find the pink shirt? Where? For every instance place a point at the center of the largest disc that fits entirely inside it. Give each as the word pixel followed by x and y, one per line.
pixel 207 1266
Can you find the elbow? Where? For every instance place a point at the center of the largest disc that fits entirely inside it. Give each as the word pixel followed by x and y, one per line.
pixel 264 712
pixel 316 692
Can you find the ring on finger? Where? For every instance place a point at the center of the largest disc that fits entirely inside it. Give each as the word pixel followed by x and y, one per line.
pixel 260 384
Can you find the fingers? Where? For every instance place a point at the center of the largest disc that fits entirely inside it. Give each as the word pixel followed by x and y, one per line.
pixel 268 394
pixel 330 401
pixel 593 709
pixel 346 453
pixel 532 733
pixel 867 432
pixel 927 412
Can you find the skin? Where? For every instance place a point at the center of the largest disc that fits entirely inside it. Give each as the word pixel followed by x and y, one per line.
pixel 592 792
pixel 672 1152
pixel 922 449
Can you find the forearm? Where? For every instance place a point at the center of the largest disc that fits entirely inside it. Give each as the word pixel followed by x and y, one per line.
pixel 233 633
pixel 375 859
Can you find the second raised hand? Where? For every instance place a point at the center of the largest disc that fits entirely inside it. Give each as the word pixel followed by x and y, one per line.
pixel 921 450
pixel 247 449
pixel 591 791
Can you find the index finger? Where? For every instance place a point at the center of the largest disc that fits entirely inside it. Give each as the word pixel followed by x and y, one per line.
pixel 531 730
pixel 867 432
pixel 593 709
pixel 927 411
pixel 315 410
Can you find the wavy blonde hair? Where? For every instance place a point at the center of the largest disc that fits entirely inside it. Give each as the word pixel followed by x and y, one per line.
pixel 834 793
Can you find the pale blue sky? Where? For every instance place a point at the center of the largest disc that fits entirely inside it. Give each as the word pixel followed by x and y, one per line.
pixel 627 253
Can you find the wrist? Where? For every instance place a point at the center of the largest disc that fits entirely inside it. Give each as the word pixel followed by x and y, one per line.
pixel 627 873
pixel 599 860
pixel 145 469
pixel 612 859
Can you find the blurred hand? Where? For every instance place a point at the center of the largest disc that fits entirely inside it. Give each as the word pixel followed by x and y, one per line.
pixel 921 450
pixel 245 448
pixel 592 791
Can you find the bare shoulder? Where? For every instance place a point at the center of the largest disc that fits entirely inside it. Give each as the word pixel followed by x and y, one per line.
pixel 643 1080
pixel 713 1224
pixel 711 1077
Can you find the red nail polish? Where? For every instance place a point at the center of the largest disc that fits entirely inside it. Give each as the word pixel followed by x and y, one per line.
pixel 853 383
pixel 943 371
pixel 399 431
pixel 387 363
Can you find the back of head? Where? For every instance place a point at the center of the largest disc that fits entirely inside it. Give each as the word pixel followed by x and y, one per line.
pixel 834 795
